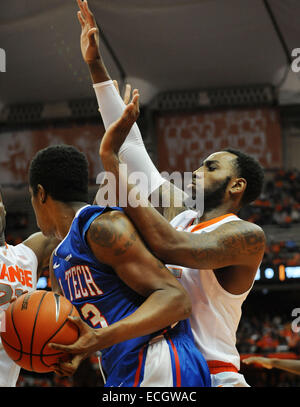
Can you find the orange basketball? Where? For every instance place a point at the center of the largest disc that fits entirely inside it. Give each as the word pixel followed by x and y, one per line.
pixel 31 322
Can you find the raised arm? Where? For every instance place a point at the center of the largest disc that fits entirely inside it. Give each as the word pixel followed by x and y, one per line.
pixel 237 244
pixel 132 151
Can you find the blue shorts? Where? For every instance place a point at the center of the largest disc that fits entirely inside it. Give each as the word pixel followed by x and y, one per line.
pixel 166 361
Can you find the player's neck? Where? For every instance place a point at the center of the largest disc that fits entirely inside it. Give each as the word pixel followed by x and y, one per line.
pixel 213 213
pixel 64 216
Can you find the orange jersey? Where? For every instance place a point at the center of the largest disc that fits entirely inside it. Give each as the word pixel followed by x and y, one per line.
pixel 18 273
pixel 216 312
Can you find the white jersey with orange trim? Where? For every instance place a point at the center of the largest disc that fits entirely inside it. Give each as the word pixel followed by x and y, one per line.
pixel 18 273
pixel 216 312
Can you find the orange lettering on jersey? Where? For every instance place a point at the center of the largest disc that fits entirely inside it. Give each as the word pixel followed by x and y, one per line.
pixel 22 277
pixel 28 278
pixel 4 273
pixel 15 273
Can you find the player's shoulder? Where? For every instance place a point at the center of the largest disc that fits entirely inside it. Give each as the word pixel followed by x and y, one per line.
pixel 23 254
pixel 250 231
pixel 112 217
pixel 109 226
pixel 246 225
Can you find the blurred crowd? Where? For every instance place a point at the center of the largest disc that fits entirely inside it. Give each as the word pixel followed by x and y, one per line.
pixel 279 204
pixel 281 252
pixel 265 334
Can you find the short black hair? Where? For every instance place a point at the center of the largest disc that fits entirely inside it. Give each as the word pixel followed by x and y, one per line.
pixel 250 169
pixel 63 171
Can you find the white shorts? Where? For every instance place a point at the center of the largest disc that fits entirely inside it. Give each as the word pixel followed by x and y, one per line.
pixel 169 360
pixel 228 379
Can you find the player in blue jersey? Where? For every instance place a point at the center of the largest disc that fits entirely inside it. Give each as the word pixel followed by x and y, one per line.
pixel 129 303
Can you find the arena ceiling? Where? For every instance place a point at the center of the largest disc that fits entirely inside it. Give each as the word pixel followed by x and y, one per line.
pixel 158 45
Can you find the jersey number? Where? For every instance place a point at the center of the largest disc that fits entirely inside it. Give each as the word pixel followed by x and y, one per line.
pixel 91 313
pixel 6 293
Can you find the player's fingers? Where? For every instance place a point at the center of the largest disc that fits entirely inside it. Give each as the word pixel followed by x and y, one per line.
pixel 127 93
pixel 88 14
pixel 128 117
pixel 91 36
pixel 131 112
pixel 247 361
pixel 80 5
pixel 78 322
pixel 68 368
pixel 81 19
pixel 116 85
pixel 135 102
pixel 63 348
pixel 60 371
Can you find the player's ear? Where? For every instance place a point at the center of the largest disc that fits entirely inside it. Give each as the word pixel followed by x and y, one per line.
pixel 41 193
pixel 238 186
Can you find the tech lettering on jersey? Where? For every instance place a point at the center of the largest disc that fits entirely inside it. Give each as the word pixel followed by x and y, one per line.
pixel 80 283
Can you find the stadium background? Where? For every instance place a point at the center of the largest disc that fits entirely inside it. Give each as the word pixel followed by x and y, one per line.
pixel 211 74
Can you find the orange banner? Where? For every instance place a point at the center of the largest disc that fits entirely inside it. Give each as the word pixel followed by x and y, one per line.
pixel 184 140
pixel 17 148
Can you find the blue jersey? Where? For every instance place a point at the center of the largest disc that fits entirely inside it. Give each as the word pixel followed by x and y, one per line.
pixel 97 292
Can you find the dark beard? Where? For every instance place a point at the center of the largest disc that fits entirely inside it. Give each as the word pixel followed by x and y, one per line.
pixel 209 198
pixel 214 196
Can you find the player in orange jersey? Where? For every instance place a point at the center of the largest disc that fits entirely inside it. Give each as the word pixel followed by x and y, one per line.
pixel 20 268
pixel 218 259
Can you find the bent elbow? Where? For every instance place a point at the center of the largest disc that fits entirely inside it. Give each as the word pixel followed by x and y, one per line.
pixel 164 250
pixel 159 248
pixel 183 304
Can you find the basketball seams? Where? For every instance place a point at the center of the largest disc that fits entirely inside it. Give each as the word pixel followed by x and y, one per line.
pixel 52 336
pixel 16 331
pixel 28 353
pixel 33 329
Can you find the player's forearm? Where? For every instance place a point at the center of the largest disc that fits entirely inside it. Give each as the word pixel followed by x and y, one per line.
pixel 160 310
pixel 292 366
pixel 98 71
pixel 130 148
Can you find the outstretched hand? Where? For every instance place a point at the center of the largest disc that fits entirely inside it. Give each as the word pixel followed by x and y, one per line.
pixel 264 362
pixel 117 132
pixel 89 39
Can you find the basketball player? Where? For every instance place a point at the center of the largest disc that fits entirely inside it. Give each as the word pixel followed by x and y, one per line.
pixel 129 301
pixel 20 267
pixel 220 255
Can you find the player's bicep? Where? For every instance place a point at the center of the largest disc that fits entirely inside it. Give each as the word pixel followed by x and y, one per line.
pixel 117 243
pixel 234 243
